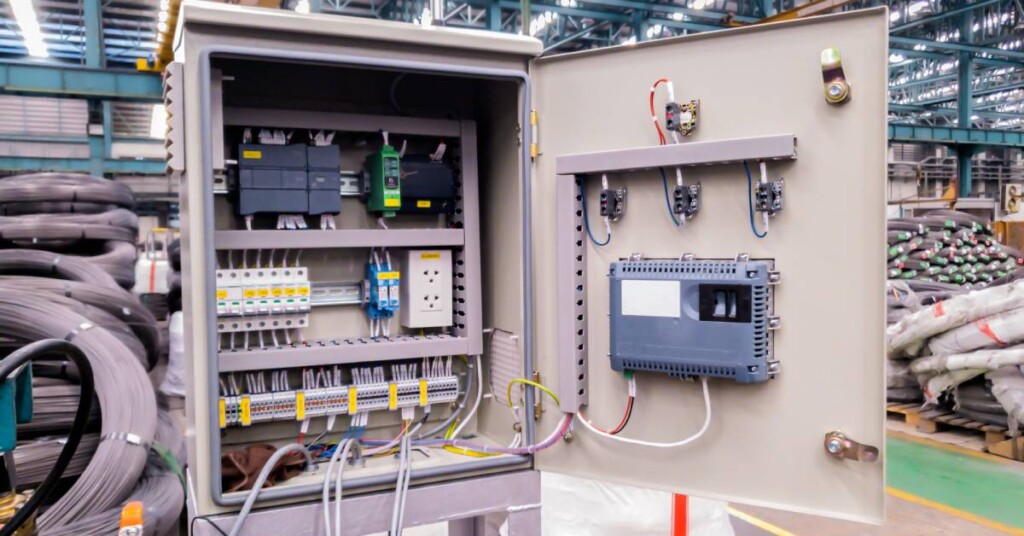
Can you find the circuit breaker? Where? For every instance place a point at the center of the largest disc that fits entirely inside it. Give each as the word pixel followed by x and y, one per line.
pixel 427 292
pixel 694 318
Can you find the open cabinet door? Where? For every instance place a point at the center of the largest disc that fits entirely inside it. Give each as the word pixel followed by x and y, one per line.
pixel 766 441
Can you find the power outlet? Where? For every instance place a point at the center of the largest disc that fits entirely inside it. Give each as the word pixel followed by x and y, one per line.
pixel 427 289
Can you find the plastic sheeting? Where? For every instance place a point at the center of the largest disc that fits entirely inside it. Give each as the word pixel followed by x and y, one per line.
pixel 996 330
pixel 174 380
pixel 578 507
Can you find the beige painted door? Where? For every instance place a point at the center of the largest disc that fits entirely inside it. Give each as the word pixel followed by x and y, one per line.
pixel 765 442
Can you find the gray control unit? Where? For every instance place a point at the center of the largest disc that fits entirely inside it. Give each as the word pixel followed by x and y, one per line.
pixel 693 318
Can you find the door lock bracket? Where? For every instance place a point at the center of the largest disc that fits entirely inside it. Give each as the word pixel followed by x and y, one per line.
pixel 839 445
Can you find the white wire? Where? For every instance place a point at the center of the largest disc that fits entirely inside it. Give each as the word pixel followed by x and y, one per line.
pixel 680 443
pixel 479 396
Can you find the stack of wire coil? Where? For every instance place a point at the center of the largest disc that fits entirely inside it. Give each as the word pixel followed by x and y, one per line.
pixel 947 246
pixel 67 251
pixel 73 214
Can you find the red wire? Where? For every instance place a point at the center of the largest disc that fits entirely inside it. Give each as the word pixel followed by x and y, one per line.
pixel 657 125
pixel 622 424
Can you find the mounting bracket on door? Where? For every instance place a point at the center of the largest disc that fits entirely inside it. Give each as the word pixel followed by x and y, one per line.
pixel 571 240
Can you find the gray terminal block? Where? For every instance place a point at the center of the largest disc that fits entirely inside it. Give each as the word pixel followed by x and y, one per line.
pixel 693 318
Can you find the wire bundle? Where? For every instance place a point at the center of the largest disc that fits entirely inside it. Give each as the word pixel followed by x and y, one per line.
pixel 73 214
pixel 947 246
pixel 961 349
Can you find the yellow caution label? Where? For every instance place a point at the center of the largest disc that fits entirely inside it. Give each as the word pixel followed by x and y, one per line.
pixel 263 292
pixel 245 415
pixel 388 275
pixel 304 291
pixel 353 403
pixel 222 412
pixel 249 293
pixel 393 396
pixel 253 155
pixel 300 406
pixel 423 391
pixel 222 294
pixel 431 256
pixel 393 203
pixel 289 291
pixel 277 292
pixel 423 203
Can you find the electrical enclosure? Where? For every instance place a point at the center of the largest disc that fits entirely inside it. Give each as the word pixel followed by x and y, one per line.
pixel 519 261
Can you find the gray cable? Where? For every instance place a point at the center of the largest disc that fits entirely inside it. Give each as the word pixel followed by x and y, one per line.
pixel 127 403
pixel 262 479
pixel 64 188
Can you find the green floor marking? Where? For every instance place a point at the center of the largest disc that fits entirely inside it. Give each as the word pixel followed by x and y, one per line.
pixel 982 487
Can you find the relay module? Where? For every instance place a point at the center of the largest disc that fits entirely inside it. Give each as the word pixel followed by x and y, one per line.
pixel 694 318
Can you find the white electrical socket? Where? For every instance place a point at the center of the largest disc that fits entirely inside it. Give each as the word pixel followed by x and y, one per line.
pixel 426 288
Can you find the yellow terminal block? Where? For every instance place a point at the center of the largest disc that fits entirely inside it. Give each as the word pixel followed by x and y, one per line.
pixel 423 392
pixel 222 413
pixel 353 403
pixel 245 417
pixel 392 396
pixel 300 406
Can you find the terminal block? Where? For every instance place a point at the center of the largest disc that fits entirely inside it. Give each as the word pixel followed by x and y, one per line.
pixel 613 203
pixel 299 405
pixel 686 200
pixel 385 182
pixel 682 118
pixel 768 197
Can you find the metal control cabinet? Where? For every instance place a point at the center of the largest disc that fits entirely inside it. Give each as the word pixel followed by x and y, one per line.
pixel 536 275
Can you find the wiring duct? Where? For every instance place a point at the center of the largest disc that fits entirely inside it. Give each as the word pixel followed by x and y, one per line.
pixel 126 397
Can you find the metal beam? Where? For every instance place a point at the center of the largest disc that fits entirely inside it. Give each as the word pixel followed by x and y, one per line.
pixel 957 47
pixel 942 16
pixel 955 136
pixel 947 112
pixel 93 15
pixel 938 56
pixel 77 82
pixel 140 167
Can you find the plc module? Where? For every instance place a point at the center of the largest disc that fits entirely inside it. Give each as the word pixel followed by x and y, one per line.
pixel 694 318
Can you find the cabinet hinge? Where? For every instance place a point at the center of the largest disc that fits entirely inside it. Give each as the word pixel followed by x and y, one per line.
pixel 534 151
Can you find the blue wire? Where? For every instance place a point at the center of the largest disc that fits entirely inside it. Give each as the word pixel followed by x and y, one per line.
pixel 586 221
pixel 668 202
pixel 750 202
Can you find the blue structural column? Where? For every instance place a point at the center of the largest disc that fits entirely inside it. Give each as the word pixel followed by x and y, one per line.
pixel 965 105
pixel 98 110
pixel 639 24
pixel 494 15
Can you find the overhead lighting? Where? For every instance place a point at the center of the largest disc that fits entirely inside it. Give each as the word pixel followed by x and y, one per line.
pixel 677 16
pixel 163 16
pixel 699 4
pixel 896 58
pixel 920 7
pixel 630 41
pixel 25 14
pixel 158 122
pixel 302 6
pixel 895 16
pixel 426 18
pixel 161 27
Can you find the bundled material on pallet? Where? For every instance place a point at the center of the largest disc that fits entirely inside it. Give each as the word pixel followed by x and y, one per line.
pixel 947 246
pixel 963 349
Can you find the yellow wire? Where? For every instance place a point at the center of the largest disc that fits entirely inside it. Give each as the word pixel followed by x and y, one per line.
pixel 531 383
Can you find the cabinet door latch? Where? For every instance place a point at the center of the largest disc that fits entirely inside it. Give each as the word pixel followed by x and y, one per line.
pixel 839 445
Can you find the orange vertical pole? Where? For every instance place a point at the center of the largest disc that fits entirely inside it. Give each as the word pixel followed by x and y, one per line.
pixel 679 515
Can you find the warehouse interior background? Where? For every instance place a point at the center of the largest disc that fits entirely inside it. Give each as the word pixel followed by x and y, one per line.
pixel 81 90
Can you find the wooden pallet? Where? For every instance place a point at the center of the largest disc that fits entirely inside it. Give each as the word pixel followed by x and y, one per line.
pixel 929 421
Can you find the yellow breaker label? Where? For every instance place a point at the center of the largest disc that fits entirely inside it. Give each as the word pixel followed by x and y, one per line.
pixel 393 396
pixel 253 155
pixel 300 406
pixel 423 203
pixel 387 275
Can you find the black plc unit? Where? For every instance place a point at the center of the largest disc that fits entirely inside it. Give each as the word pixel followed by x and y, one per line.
pixel 324 164
pixel 272 179
pixel 428 187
